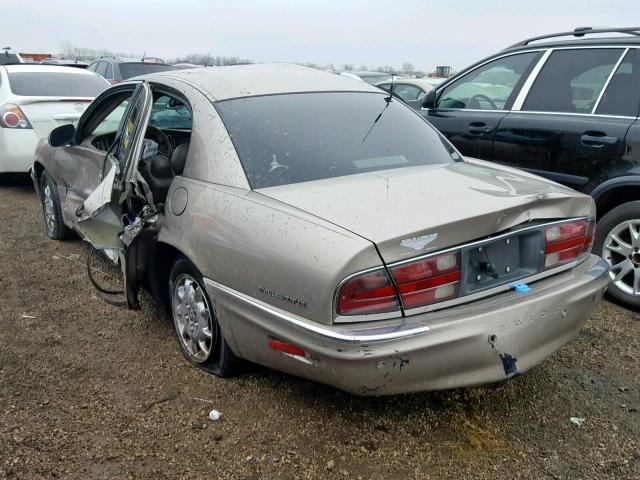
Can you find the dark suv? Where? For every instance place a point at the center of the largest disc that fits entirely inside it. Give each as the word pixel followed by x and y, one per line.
pixel 565 110
pixel 116 70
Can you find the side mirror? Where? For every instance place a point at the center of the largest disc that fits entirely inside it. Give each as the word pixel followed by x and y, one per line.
pixel 429 100
pixel 62 135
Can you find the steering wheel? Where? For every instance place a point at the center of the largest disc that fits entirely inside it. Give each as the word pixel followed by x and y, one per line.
pixel 165 147
pixel 481 96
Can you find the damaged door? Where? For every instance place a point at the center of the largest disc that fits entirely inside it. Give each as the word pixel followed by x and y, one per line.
pixel 117 211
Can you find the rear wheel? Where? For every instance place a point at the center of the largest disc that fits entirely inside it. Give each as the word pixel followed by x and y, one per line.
pixel 199 335
pixel 54 226
pixel 618 242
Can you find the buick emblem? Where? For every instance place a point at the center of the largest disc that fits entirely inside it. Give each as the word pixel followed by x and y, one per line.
pixel 79 107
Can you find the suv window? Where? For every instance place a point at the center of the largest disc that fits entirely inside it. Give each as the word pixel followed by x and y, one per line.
pixel 622 95
pixel 571 80
pixel 488 87
pixel 108 74
pixel 101 68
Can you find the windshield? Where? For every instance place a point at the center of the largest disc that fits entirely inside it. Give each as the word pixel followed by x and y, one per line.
pixel 283 139
pixel 47 84
pixel 129 70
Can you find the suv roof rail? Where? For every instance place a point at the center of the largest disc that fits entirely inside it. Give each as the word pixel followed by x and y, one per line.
pixel 581 32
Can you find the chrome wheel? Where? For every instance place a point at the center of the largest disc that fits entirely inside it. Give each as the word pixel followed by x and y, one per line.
pixel 621 250
pixel 193 318
pixel 49 212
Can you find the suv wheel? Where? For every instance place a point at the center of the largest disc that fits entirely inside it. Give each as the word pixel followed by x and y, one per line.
pixel 618 242
pixel 199 335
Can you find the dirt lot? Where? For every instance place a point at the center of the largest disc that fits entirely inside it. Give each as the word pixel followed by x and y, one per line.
pixel 88 390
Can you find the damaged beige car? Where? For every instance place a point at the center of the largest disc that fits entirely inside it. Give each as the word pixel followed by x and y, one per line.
pixel 311 223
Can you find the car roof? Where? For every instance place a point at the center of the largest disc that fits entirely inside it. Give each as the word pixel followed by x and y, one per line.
pixel 38 68
pixel 419 82
pixel 239 81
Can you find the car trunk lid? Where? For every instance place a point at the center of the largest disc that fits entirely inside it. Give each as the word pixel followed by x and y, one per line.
pixel 412 211
pixel 47 113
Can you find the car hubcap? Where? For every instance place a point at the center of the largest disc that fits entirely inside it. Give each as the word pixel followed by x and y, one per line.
pixel 193 318
pixel 622 250
pixel 49 216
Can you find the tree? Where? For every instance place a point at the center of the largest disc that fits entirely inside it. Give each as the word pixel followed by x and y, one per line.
pixel 347 67
pixel 407 68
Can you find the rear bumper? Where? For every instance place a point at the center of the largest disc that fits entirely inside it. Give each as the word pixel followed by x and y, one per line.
pixel 17 150
pixel 482 342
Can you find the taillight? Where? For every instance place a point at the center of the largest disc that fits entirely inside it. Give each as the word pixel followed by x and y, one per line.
pixel 430 280
pixel 367 293
pixel 566 242
pixel 114 82
pixel 11 116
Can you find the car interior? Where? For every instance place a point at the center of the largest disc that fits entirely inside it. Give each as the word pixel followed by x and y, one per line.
pixel 166 139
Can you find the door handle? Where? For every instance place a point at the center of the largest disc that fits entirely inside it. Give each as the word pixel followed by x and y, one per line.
pixel 597 139
pixel 478 128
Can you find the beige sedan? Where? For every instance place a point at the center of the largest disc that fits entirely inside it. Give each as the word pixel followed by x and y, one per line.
pixel 317 225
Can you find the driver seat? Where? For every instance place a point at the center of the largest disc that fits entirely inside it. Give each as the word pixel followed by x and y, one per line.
pixel 159 172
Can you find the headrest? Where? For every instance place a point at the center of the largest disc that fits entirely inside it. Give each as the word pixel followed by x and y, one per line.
pixel 160 167
pixel 179 158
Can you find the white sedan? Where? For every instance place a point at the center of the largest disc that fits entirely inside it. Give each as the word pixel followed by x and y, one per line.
pixel 34 99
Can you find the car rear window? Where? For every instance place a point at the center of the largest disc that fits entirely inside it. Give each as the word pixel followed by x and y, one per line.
pixel 129 70
pixel 292 138
pixel 47 84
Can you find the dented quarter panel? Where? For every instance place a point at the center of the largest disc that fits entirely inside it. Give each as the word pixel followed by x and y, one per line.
pixel 264 248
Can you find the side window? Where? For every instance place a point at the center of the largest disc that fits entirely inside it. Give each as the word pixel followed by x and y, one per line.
pixel 92 67
pixel 490 86
pixel 128 131
pixel 101 68
pixel 110 123
pixel 571 80
pixel 109 72
pixel 407 92
pixel 170 113
pixel 622 95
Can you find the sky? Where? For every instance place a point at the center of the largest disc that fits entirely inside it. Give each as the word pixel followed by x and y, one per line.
pixel 373 33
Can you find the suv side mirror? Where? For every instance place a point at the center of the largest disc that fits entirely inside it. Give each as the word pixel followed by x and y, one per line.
pixel 62 135
pixel 429 100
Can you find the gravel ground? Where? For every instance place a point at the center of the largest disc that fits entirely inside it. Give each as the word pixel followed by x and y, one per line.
pixel 93 391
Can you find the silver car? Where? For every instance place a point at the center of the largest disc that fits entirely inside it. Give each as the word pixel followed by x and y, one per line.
pixel 311 223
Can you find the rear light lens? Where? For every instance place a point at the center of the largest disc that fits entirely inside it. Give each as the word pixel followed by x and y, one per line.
pixel 429 280
pixel 567 242
pixel 11 116
pixel 367 293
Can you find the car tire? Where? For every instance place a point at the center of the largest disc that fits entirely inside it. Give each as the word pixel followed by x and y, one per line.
pixel 618 242
pixel 197 330
pixel 54 226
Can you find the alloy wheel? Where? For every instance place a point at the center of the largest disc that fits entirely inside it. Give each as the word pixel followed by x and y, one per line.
pixel 49 212
pixel 193 318
pixel 621 250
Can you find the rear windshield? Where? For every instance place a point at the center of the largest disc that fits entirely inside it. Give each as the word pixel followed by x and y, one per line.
pixel 8 59
pixel 47 84
pixel 128 70
pixel 283 139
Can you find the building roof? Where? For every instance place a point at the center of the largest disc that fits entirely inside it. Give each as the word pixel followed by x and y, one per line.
pixel 263 79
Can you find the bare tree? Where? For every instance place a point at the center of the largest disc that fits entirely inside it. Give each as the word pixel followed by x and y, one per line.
pixel 407 68
pixel 347 67
pixel 363 68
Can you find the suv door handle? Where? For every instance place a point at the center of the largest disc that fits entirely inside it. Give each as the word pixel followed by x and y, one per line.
pixel 478 128
pixel 597 139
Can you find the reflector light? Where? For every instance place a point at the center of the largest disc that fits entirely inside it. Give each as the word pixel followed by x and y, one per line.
pixel 285 347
